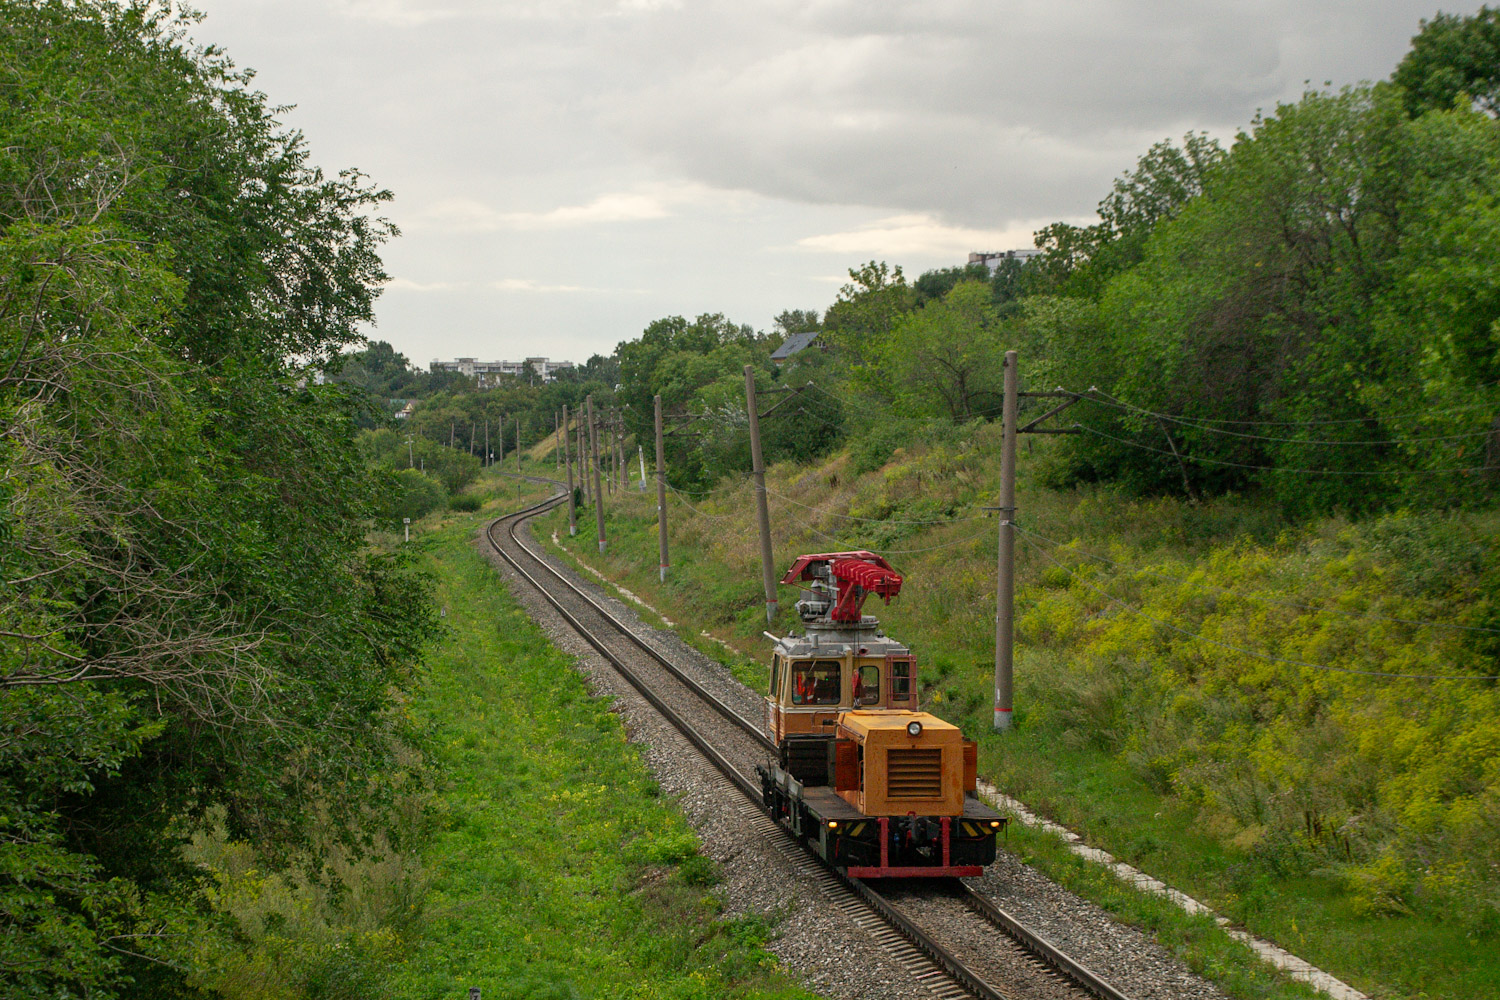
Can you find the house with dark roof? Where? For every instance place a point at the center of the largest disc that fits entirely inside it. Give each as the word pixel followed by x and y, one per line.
pixel 796 342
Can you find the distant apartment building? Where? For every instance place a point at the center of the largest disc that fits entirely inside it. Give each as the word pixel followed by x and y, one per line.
pixel 489 372
pixel 994 259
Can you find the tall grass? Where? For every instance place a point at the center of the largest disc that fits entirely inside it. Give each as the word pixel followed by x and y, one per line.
pixel 1352 817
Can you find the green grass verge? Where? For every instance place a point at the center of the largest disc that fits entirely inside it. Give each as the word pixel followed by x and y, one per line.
pixel 557 868
pixel 1049 762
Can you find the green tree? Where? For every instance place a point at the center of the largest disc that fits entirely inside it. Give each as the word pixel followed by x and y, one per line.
pixel 937 283
pixel 859 323
pixel 189 615
pixel 1321 253
pixel 946 358
pixel 1454 57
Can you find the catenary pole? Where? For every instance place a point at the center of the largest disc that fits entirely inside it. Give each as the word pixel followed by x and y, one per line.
pixel 607 466
pixel 1005 571
pixel 624 460
pixel 583 470
pixel 594 461
pixel 568 461
pixel 661 494
pixel 762 512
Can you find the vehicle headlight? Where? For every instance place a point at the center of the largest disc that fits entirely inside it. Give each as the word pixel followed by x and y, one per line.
pixel 914 728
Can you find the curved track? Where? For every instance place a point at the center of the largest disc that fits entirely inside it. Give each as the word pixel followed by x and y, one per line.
pixel 930 927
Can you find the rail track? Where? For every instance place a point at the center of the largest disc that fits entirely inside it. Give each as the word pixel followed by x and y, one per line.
pixel 928 927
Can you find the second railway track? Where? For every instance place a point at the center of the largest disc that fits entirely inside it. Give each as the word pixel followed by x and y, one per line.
pixel 952 939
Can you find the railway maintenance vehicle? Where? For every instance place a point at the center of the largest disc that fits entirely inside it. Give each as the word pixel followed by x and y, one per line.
pixel 870 782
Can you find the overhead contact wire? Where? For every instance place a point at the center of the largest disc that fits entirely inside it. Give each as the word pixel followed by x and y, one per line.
pixel 1279 468
pixel 1202 425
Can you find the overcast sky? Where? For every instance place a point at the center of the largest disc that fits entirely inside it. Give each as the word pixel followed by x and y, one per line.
pixel 566 171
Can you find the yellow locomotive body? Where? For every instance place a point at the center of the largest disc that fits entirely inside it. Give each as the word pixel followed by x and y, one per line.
pixel 876 786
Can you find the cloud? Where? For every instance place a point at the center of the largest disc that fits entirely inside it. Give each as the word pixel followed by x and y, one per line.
pixel 728 155
pixel 915 236
pixel 467 215
pixel 396 12
pixel 407 285
pixel 532 285
pixel 980 111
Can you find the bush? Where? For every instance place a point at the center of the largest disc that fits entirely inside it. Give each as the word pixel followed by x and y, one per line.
pixel 466 503
pixel 392 449
pixel 410 494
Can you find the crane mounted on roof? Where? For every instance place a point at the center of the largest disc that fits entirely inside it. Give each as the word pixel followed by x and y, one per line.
pixel 851 576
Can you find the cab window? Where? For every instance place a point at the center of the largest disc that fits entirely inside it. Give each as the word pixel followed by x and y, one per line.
pixel 867 685
pixel 901 680
pixel 775 674
pixel 815 682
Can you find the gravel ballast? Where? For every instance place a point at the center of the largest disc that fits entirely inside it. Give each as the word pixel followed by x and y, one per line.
pixel 834 955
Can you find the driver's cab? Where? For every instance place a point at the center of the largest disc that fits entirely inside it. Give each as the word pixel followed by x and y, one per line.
pixel 810 684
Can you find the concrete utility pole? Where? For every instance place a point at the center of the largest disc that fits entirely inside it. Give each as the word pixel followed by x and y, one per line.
pixel 471 437
pixel 762 512
pixel 1005 573
pixel 568 460
pixel 661 494
pixel 411 463
pixel 583 474
pixel 594 457
pixel 624 463
pixel 607 464
pixel 640 454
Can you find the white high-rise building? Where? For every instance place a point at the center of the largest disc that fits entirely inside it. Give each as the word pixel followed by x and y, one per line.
pixel 488 372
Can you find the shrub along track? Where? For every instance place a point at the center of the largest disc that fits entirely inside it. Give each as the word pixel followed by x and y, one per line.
pixel 952 939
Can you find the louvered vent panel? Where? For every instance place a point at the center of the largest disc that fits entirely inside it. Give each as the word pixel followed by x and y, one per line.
pixel 915 774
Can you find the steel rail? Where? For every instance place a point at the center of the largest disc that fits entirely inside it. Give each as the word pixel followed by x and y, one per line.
pixel 945 959
pixel 717 704
pixel 1031 941
pixel 693 736
pixel 1039 945
pixel 883 908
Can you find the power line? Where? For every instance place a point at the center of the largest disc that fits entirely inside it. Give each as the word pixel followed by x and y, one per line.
pixel 1277 468
pixel 1315 423
pixel 1256 597
pixel 701 513
pixel 1193 423
pixel 1026 537
pixel 731 488
pixel 874 520
pixel 885 551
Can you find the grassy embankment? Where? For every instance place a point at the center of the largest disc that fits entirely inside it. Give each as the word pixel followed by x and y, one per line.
pixel 531 854
pixel 1349 818
pixel 556 868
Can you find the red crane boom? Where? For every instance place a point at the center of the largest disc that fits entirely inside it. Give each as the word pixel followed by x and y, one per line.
pixel 856 575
